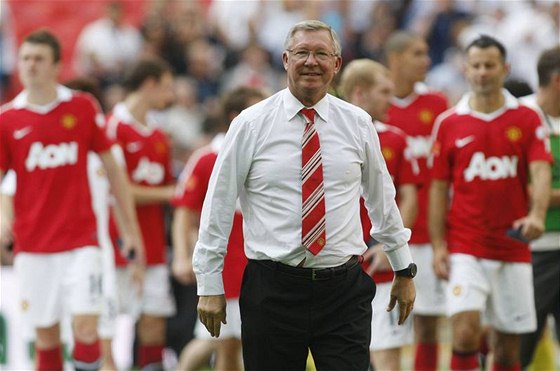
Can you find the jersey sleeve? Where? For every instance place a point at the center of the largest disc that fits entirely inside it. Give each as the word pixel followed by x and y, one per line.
pixel 100 142
pixel 439 160
pixel 539 141
pixel 192 185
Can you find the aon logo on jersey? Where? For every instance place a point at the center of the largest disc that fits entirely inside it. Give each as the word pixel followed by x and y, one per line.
pixel 149 172
pixel 491 168
pixel 51 156
pixel 419 146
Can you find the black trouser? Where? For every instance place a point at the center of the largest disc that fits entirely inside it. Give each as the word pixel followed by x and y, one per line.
pixel 284 316
pixel 546 280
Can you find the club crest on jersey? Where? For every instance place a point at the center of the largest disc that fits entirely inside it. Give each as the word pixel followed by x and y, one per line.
pixel 51 156
pixel 68 121
pixel 388 153
pixel 160 148
pixel 426 116
pixel 513 133
pixel 491 168
pixel 149 172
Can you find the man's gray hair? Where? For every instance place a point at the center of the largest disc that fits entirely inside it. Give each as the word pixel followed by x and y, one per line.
pixel 313 25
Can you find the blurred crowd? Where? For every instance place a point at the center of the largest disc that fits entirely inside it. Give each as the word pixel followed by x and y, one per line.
pixel 216 46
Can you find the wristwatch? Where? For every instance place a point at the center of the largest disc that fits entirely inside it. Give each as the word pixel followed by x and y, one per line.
pixel 409 271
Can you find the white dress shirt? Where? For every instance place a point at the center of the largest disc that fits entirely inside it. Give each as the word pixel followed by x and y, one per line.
pixel 260 161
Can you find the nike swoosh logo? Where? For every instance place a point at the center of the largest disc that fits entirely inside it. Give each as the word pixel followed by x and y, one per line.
pixel 18 134
pixel 460 143
pixel 134 146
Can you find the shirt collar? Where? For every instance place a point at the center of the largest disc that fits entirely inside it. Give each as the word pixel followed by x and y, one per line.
pixel 293 106
pixel 463 107
pixel 63 94
pixel 122 113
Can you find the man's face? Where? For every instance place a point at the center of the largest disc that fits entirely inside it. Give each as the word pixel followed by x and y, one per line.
pixel 162 93
pixel 377 98
pixel 36 65
pixel 485 70
pixel 415 61
pixel 309 75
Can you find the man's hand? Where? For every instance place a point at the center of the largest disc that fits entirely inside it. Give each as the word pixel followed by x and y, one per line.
pixel 182 270
pixel 404 293
pixel 133 250
pixel 212 312
pixel 441 262
pixel 531 227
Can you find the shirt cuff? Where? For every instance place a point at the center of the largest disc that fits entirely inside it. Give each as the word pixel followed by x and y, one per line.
pixel 209 284
pixel 400 257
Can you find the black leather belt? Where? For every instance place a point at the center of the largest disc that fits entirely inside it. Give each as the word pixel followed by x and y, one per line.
pixel 313 274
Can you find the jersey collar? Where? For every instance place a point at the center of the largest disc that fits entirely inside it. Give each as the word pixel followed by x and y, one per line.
pixel 63 94
pixel 463 107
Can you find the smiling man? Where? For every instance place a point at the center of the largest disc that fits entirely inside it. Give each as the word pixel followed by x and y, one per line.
pixel 299 161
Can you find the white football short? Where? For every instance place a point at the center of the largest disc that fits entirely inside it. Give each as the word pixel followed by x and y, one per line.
pixel 430 290
pixel 109 308
pixel 53 284
pixel 501 291
pixel 386 333
pixel 156 298
pixel 232 329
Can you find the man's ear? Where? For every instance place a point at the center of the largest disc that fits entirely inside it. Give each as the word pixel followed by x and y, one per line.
pixel 285 60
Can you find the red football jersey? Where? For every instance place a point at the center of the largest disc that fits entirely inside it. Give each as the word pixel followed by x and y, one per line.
pixel 415 115
pixel 485 158
pixel 191 190
pixel 147 157
pixel 403 169
pixel 47 148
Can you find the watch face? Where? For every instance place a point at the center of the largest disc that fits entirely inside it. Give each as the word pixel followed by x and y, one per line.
pixel 413 270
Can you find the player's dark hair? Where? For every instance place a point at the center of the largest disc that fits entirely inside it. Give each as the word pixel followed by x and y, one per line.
pixel 44 36
pixel 236 100
pixel 143 70
pixel 548 64
pixel 485 41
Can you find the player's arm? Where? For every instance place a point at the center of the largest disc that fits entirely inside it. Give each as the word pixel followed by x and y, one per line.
pixel 130 230
pixel 183 230
pixel 408 207
pixel 6 213
pixel 532 226
pixel 437 210
pixel 408 203
pixel 148 195
pixel 6 222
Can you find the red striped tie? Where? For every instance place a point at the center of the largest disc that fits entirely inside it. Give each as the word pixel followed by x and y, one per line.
pixel 313 236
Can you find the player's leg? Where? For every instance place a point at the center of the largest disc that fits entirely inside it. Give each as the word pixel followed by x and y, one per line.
pixel 387 336
pixel 511 310
pixel 196 354
pixel 83 284
pixel 467 293
pixel 40 287
pixel 157 305
pixel 228 352
pixel 228 355
pixel 429 307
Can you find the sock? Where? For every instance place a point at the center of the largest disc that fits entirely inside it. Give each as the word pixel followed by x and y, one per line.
pixel 500 367
pixel 87 356
pixel 426 357
pixel 49 359
pixel 151 356
pixel 464 361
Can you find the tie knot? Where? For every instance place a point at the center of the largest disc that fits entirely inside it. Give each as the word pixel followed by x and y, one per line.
pixel 309 113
